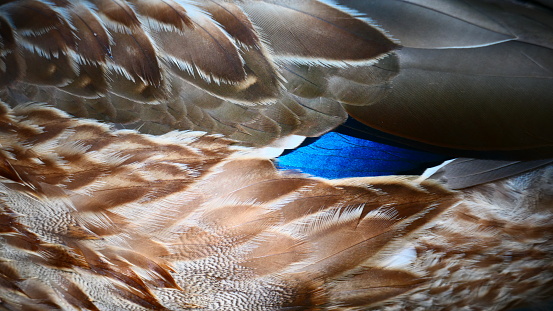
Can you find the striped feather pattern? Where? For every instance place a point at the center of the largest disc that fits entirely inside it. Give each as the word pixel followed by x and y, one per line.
pixel 102 214
pixel 102 219
pixel 218 66
pixel 262 71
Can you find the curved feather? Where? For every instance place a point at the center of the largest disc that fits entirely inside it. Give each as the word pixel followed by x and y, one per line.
pixel 289 25
pixel 463 173
pixel 103 219
pixel 481 70
pixel 154 66
pixel 165 65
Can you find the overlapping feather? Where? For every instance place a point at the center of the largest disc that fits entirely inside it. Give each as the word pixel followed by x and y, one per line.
pixel 474 75
pixel 265 70
pixel 103 219
pixel 222 66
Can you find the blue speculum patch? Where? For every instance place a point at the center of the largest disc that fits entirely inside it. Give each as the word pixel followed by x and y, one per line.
pixel 335 155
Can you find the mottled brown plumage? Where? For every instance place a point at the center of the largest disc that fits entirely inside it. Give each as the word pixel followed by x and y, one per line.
pixel 101 219
pixel 263 71
pixel 95 217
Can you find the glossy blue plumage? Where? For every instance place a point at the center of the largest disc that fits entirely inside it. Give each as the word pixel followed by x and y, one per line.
pixel 181 207
pixel 337 155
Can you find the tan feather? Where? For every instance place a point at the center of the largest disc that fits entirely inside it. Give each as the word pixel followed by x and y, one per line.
pixel 103 219
pixel 96 218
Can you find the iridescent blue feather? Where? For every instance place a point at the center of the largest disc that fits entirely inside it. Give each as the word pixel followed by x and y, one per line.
pixel 337 155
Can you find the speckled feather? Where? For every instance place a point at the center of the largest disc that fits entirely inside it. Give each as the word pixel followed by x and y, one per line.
pixel 102 219
pixel 93 217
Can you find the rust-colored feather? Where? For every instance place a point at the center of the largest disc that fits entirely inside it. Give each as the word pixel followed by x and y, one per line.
pixel 103 219
pixel 96 217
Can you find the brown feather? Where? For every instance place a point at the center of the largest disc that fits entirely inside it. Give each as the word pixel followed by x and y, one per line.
pixel 202 65
pixel 118 11
pixel 92 41
pixel 473 76
pixel 166 12
pixel 187 220
pixel 289 24
pixel 8 46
